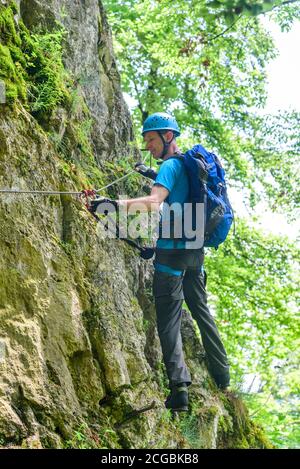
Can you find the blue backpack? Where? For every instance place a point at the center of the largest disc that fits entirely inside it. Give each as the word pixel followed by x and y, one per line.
pixel 207 185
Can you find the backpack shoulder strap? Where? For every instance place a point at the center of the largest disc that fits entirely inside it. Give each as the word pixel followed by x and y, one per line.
pixel 179 156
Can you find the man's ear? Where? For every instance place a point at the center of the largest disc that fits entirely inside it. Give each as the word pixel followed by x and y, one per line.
pixel 169 136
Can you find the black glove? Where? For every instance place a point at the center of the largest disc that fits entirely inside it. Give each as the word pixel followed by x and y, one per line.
pixel 147 253
pixel 106 206
pixel 145 171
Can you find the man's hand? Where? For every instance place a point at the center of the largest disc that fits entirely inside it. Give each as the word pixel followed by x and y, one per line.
pixel 147 253
pixel 103 206
pixel 146 171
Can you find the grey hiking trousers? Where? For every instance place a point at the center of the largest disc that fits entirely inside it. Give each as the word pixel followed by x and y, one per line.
pixel 169 291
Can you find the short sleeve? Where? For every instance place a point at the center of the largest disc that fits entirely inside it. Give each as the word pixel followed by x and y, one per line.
pixel 168 174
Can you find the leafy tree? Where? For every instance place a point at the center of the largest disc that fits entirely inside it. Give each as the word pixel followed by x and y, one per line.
pixel 181 57
pixel 274 145
pixel 278 409
pixel 230 8
pixel 254 286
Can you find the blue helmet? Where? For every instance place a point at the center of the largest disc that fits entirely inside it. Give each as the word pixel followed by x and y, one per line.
pixel 161 121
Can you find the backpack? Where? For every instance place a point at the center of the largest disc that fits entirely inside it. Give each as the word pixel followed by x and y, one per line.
pixel 207 185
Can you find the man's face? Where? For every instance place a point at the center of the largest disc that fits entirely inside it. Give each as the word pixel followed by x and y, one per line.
pixel 154 144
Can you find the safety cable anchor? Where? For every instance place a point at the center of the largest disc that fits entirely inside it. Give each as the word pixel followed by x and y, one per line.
pixel 86 196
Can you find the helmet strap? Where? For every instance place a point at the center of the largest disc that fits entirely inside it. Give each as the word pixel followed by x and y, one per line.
pixel 165 144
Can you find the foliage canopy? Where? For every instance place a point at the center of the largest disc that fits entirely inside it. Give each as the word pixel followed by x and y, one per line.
pixel 185 58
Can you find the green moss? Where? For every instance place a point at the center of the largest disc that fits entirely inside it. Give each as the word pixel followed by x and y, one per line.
pixel 242 443
pixel 7 66
pixel 31 64
pixel 83 136
pixel 212 411
pixel 22 161
pixel 48 81
pixel 7 26
pixel 237 430
pixel 9 72
pixel 189 426
pixel 224 425
pixel 70 171
pixel 11 57
pixel 257 437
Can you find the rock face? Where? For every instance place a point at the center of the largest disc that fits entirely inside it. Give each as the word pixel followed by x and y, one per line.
pixel 88 56
pixel 79 353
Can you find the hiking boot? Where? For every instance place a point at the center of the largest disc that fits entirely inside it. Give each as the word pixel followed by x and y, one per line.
pixel 222 381
pixel 178 399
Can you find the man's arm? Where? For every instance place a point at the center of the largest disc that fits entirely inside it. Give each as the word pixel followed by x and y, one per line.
pixel 149 203
pixel 146 171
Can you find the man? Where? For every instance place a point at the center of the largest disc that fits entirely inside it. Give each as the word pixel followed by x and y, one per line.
pixel 179 272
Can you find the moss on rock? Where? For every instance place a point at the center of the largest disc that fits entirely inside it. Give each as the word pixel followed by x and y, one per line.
pixel 31 64
pixel 237 430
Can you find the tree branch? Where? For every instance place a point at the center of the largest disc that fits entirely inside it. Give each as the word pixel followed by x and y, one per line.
pixel 286 2
pixel 139 102
pixel 225 30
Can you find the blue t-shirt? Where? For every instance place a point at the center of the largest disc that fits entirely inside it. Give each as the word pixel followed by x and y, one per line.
pixel 172 175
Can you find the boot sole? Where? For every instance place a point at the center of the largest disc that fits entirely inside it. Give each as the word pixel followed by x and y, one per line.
pixel 180 409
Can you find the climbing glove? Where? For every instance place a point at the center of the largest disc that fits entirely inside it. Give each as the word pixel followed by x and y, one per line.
pixel 103 206
pixel 145 171
pixel 147 253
